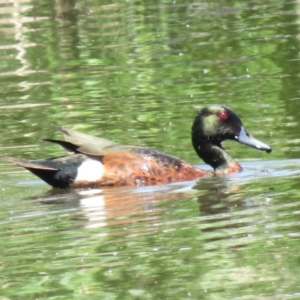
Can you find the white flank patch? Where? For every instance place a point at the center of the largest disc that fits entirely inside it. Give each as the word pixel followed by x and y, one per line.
pixel 90 171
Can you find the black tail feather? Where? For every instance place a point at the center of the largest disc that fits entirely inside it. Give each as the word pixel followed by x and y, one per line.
pixel 48 170
pixel 50 177
pixel 66 145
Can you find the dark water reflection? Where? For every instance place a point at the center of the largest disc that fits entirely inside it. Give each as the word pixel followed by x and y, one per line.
pixel 137 73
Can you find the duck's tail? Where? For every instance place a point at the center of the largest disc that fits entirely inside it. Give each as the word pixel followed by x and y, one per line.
pixel 47 170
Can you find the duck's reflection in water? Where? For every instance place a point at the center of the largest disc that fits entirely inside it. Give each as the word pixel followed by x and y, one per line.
pixel 217 197
pixel 229 212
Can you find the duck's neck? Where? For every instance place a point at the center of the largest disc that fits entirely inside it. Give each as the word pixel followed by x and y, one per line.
pixel 213 154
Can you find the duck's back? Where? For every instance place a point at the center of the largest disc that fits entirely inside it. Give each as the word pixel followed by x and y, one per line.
pixel 137 166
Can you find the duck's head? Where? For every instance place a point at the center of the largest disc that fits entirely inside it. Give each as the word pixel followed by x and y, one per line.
pixel 216 123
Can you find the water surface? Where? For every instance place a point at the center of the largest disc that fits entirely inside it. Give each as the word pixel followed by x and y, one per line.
pixel 137 73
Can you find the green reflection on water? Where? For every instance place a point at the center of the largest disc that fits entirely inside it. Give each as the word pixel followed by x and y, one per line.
pixel 155 244
pixel 138 73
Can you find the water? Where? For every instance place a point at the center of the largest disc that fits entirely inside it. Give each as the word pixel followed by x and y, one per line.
pixel 137 72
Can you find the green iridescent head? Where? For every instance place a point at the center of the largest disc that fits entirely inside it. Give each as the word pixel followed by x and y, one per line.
pixel 216 123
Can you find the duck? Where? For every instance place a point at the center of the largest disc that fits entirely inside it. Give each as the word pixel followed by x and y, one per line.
pixel 94 162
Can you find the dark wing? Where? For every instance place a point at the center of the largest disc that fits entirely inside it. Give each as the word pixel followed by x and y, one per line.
pixel 66 145
pixel 96 147
pixel 93 146
pixel 82 143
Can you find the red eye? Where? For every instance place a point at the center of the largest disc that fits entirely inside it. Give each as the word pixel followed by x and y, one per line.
pixel 223 115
